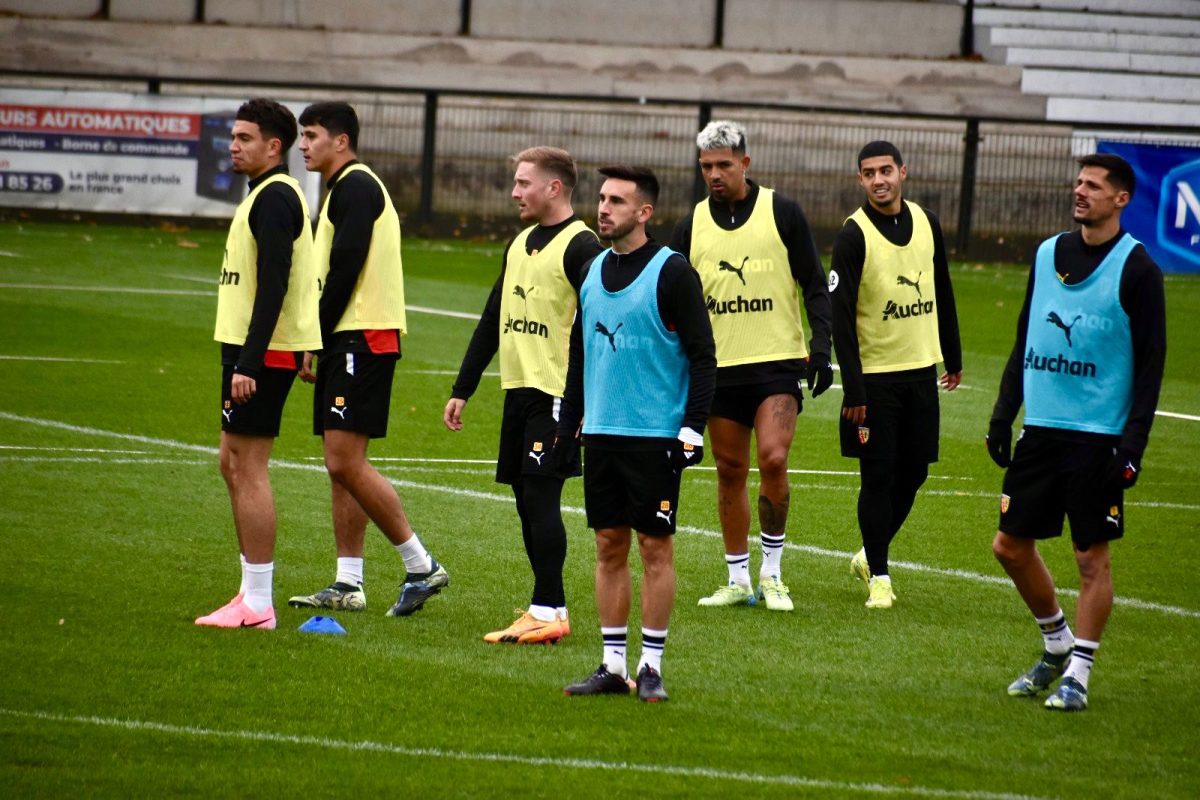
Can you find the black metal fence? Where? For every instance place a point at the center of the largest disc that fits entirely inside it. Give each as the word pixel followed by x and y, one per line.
pixel 996 186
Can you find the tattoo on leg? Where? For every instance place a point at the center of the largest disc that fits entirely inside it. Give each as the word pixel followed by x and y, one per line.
pixel 784 412
pixel 773 516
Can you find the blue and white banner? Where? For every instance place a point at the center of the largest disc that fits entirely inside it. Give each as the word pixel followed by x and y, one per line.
pixel 1164 213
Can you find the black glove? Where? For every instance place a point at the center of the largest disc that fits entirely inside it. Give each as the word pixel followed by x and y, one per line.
pixel 999 443
pixel 820 374
pixel 565 456
pixel 1123 470
pixel 683 454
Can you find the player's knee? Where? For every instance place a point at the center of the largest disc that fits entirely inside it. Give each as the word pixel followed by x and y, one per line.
pixel 341 469
pixel 1094 563
pixel 1008 550
pixel 773 463
pixel 731 470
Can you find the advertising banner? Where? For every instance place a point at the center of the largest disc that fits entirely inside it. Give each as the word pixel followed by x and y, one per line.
pixel 1164 213
pixel 124 153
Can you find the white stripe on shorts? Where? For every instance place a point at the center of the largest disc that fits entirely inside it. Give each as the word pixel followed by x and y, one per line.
pixel 556 408
pixel 349 363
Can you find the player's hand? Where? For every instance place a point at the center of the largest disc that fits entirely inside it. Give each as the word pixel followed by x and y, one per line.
pixel 854 414
pixel 242 388
pixel 1123 470
pixel 999 443
pixel 820 373
pixel 950 380
pixel 452 415
pixel 687 451
pixel 306 371
pixel 565 456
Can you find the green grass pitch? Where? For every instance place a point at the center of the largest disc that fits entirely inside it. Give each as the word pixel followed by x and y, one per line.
pixel 117 534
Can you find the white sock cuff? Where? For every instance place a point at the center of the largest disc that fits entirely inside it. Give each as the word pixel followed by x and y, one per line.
pixel 259 569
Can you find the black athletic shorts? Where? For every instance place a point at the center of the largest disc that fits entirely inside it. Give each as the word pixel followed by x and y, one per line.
pixel 259 416
pixel 353 393
pixel 1051 478
pixel 901 425
pixel 637 488
pixel 740 403
pixel 527 436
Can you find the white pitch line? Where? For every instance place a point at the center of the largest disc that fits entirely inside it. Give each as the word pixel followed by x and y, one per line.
pixel 443 372
pixel 41 449
pixel 504 498
pixel 843 788
pixel 94 460
pixel 60 359
pixel 1172 414
pixel 442 312
pixel 117 289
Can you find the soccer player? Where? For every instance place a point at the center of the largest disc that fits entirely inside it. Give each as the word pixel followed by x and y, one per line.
pixel 362 320
pixel 528 319
pixel 893 320
pixel 753 250
pixel 266 317
pixel 641 376
pixel 1088 366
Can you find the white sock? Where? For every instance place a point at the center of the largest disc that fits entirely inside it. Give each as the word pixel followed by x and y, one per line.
pixel 416 559
pixel 739 568
pixel 350 570
pixel 242 562
pixel 614 650
pixel 653 643
pixel 543 613
pixel 257 578
pixel 1056 634
pixel 772 552
pixel 1080 665
pixel 562 612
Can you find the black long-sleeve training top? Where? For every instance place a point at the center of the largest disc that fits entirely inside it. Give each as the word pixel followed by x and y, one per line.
pixel 1143 300
pixel 849 255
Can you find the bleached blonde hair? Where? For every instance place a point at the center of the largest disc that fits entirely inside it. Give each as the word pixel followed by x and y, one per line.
pixel 722 133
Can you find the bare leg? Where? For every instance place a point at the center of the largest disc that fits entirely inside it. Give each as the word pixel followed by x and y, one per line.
pixel 612 576
pixel 1095 591
pixel 244 462
pixel 346 460
pixel 731 451
pixel 658 585
pixel 1024 565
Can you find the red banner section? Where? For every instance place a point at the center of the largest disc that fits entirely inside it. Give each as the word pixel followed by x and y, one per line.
pixel 108 122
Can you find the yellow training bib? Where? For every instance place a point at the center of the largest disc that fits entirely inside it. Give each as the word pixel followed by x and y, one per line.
pixel 897 308
pixel 748 286
pixel 298 327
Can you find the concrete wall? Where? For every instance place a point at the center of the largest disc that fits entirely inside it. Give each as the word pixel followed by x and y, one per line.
pixel 845 27
pixel 51 8
pixel 681 23
pixel 152 10
pixel 438 17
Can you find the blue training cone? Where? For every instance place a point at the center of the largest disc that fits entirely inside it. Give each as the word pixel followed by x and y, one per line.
pixel 323 625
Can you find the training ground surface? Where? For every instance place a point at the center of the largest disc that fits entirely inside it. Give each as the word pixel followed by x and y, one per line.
pixel 117 534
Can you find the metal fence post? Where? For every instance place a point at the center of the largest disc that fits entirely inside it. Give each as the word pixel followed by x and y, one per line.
pixel 428 152
pixel 966 41
pixel 698 187
pixel 966 191
pixel 718 39
pixel 464 18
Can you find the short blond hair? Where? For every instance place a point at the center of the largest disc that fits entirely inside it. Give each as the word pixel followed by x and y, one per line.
pixel 552 160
